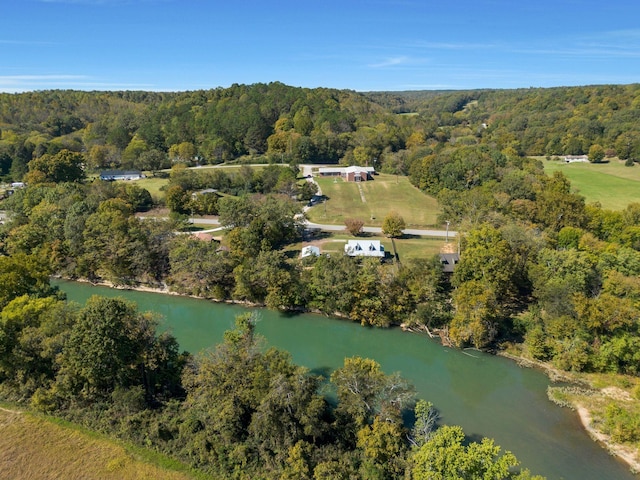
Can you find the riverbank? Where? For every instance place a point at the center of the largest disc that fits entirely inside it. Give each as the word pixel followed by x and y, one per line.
pixel 574 398
pixel 554 374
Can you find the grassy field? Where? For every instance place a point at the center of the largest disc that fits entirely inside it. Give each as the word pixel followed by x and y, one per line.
pixel 612 184
pixel 33 447
pixel 372 201
pixel 153 185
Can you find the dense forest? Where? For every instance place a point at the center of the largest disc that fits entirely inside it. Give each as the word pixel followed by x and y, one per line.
pixel 274 122
pixel 539 267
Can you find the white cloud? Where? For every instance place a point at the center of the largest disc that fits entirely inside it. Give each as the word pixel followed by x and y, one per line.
pixel 401 60
pixel 24 83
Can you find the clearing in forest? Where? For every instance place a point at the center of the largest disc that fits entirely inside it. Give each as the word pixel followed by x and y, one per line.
pixel 612 184
pixel 383 194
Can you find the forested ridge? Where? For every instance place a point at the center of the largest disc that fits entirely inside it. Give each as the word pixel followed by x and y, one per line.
pixel 148 130
pixel 539 267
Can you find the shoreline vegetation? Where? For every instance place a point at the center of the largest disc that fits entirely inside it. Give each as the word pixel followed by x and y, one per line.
pixel 557 395
pixel 573 396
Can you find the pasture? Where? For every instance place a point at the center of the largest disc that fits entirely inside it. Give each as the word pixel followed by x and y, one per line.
pixel 34 447
pixel 612 184
pixel 372 201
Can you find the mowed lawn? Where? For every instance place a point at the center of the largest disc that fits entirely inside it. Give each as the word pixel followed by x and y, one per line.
pixel 406 247
pixel 372 201
pixel 32 447
pixel 612 184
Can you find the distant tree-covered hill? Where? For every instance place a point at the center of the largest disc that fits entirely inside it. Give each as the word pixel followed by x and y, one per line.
pixel 276 122
pixel 533 121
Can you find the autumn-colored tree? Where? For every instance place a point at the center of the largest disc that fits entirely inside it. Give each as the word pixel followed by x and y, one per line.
pixel 354 225
pixel 393 225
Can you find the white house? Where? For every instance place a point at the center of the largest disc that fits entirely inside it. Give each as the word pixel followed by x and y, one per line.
pixel 364 248
pixel 111 175
pixel 576 158
pixel 309 251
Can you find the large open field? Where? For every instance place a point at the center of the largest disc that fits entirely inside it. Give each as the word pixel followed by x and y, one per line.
pixel 372 201
pixel 32 447
pixel 612 184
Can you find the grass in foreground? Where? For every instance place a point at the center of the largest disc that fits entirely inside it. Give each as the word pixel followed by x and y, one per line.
pixel 33 447
pixel 384 194
pixel 612 184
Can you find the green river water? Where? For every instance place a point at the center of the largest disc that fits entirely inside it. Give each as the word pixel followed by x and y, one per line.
pixel 487 395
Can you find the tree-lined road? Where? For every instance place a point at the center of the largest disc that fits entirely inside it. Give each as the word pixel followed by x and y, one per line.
pixel 340 228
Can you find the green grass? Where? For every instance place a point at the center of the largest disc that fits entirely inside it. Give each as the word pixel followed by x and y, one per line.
pixel 417 247
pixel 612 184
pixel 35 447
pixel 153 185
pixel 384 194
pixel 406 248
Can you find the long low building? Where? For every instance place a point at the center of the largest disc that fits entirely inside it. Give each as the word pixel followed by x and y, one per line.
pixel 349 174
pixel 110 175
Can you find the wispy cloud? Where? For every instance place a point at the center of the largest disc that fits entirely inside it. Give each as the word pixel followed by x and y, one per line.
pixel 454 45
pixel 609 44
pixel 23 83
pixel 390 62
pixel 398 61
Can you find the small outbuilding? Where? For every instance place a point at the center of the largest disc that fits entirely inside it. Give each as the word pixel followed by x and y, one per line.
pixel 309 251
pixel 449 261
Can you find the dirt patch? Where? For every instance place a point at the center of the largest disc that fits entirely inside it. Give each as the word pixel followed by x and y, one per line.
pixel 449 247
pixel 617 394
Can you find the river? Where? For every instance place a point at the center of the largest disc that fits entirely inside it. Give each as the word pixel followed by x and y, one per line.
pixel 486 395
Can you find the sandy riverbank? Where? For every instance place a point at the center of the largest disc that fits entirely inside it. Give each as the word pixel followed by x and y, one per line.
pixel 627 454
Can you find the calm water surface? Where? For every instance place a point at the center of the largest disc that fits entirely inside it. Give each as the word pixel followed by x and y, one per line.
pixel 487 395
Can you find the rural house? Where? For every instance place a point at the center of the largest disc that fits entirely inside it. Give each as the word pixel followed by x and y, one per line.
pixel 111 175
pixel 349 174
pixel 364 248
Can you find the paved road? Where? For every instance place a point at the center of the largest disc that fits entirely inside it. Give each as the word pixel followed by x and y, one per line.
pixel 340 228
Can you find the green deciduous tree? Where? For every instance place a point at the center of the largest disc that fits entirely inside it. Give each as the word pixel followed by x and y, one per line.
pixel 383 450
pixel 32 333
pixel 112 346
pixel 365 392
pixel 596 153
pixel 23 275
pixel 200 268
pixel 393 225
pixel 446 457
pixel 65 166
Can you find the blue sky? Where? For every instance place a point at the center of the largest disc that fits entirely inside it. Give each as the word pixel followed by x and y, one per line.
pixel 177 45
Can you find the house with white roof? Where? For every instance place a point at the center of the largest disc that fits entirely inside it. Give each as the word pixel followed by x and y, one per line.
pixel 349 174
pixel 364 248
pixel 309 250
